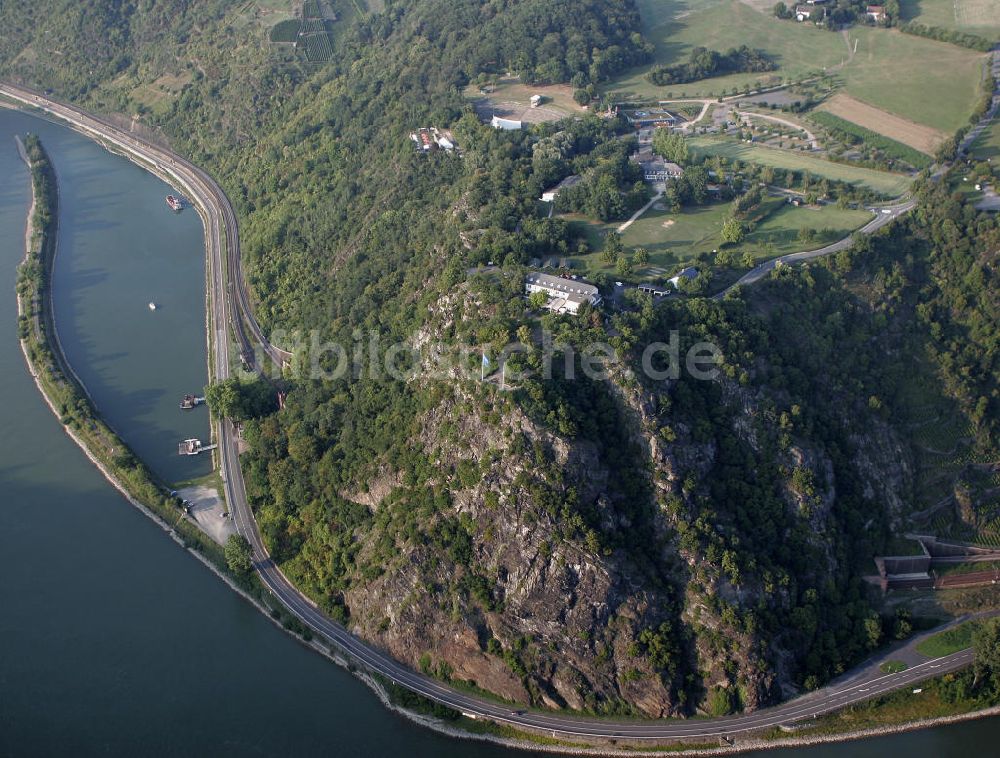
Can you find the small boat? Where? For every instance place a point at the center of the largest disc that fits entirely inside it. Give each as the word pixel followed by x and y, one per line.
pixel 175 203
pixel 189 447
pixel 191 401
pixel 152 306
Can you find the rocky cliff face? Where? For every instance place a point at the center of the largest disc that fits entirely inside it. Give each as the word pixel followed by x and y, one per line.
pixel 568 599
pixel 561 622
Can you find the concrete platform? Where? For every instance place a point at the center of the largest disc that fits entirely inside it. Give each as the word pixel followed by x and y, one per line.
pixel 207 509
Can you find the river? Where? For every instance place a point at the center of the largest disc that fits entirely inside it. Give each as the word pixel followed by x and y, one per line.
pixel 113 640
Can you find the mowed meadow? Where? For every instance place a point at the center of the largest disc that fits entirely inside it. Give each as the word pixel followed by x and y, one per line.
pixel 884 182
pixel 932 83
pixel 980 17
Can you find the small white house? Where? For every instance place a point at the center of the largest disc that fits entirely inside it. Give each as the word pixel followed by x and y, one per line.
pixel 803 12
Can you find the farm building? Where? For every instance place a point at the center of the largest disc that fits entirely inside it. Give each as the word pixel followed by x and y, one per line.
pixel 565 295
pixel 508 125
pixel 803 12
pixel 550 194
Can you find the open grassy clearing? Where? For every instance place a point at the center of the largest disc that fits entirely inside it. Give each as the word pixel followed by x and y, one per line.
pixel 672 239
pixel 265 13
pixel 976 16
pixel 676 239
pixel 889 69
pixel 922 138
pixel 880 181
pixel 510 98
pixel 779 232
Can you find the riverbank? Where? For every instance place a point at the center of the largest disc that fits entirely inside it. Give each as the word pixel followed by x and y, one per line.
pixel 59 386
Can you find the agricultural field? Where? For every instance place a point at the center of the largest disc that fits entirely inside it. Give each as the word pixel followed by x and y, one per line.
pixel 890 70
pixel 980 17
pixel 879 181
pixel 264 13
pixel 887 68
pixel 676 26
pixel 510 98
pixel 318 46
pixel 922 138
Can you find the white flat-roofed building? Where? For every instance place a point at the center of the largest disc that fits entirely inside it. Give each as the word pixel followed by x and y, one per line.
pixel 508 125
pixel 565 295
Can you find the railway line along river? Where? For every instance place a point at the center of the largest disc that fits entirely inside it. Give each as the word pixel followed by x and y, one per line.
pixel 112 639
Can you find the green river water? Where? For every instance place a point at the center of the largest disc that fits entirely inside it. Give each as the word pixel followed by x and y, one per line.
pixel 114 641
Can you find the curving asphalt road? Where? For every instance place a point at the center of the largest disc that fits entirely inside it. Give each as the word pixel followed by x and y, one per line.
pixel 222 247
pixel 883 215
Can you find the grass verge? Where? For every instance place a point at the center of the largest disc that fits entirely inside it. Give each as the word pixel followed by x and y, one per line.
pixel 949 641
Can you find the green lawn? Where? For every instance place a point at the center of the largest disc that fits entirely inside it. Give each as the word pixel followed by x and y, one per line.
pixel 674 239
pixel 880 181
pixel 671 238
pixel 949 641
pixel 781 228
pixel 980 17
pixel 987 145
pixel 893 667
pixel 888 71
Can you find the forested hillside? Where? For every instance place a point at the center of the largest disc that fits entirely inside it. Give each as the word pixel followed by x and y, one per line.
pixel 624 544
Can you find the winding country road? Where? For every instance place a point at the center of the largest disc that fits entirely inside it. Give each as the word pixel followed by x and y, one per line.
pixel 225 281
pixel 883 216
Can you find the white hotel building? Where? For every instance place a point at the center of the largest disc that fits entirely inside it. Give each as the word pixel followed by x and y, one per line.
pixel 565 295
